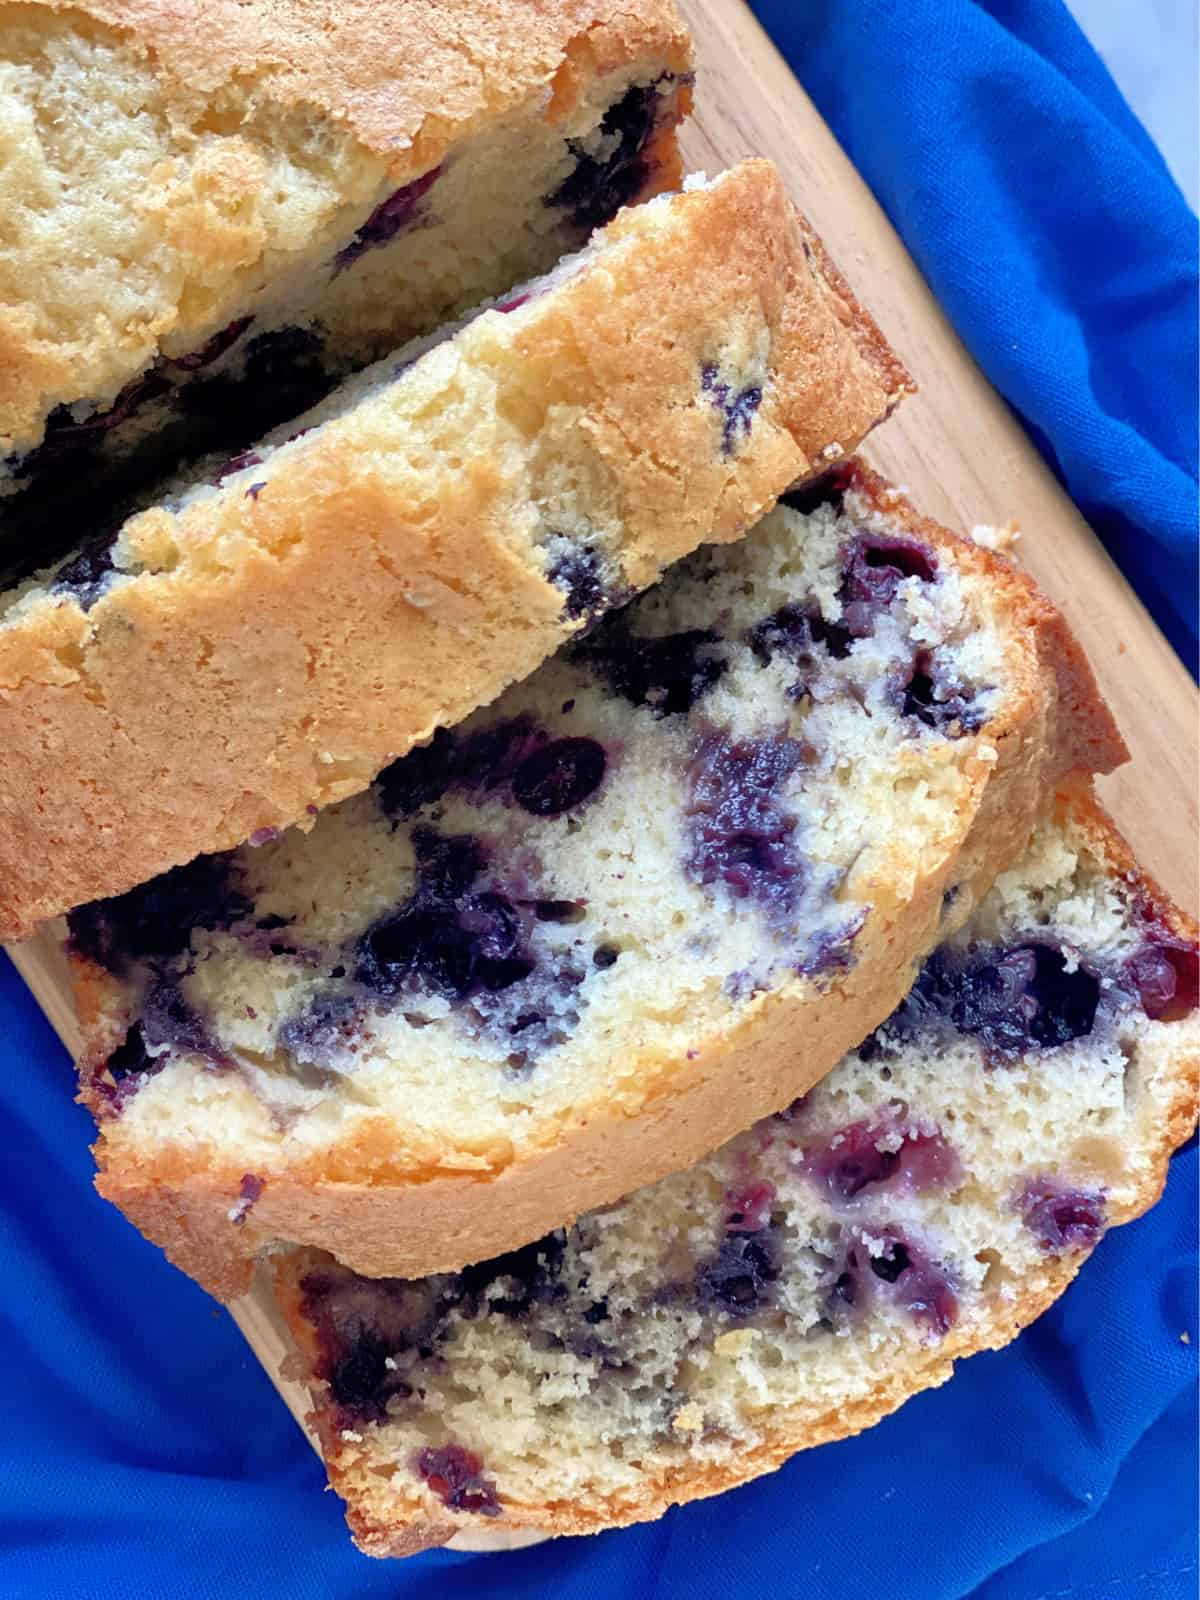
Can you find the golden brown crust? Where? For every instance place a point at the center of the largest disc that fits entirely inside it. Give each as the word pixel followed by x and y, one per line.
pixel 410 81
pixel 406 84
pixel 388 1522
pixel 280 662
pixel 382 1214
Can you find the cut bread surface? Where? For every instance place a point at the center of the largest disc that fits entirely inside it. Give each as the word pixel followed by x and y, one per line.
pixel 210 219
pixel 274 635
pixel 651 894
pixel 928 1199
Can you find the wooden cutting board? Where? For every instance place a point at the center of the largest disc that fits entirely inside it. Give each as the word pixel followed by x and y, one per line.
pixel 959 451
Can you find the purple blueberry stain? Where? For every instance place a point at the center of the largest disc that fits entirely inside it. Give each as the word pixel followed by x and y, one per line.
pixel 748 1207
pixel 125 1070
pixel 740 1279
pixel 511 1284
pixel 1061 1218
pixel 238 463
pixel 737 406
pixel 873 568
pixel 65 435
pixel 669 673
pixel 616 169
pixel 325 1030
pixel 397 212
pixel 169 1020
pixel 471 945
pixel 831 949
pixel 155 921
pixel 740 835
pixel 373 1334
pixel 455 1475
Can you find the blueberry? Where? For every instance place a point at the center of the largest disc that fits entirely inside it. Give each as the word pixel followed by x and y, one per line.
pixel 456 1476
pixel 370 1332
pixel 167 1017
pixel 669 673
pixel 827 490
pixel 852 1161
pixel 559 777
pixel 488 759
pixel 156 920
pixel 420 943
pixel 85 576
pixel 508 1285
pixel 1165 974
pixel 737 406
pixel 873 568
pixel 1013 999
pixel 899 1270
pixel 602 183
pixel 796 632
pixel 579 575
pixel 937 700
pixel 445 940
pixel 130 1056
pixel 1061 1218
pixel 740 1279
pixel 418 779
pixel 1026 996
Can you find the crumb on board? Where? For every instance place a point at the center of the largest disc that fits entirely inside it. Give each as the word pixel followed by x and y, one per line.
pixel 1003 537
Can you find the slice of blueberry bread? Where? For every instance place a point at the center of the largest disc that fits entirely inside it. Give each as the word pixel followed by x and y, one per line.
pixel 213 213
pixel 652 894
pixel 275 632
pixel 928 1199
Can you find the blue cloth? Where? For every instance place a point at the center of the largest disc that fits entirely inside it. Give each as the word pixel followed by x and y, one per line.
pixel 1051 232
pixel 146 1455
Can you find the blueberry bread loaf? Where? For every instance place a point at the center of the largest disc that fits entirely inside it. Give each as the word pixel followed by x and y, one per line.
pixel 212 213
pixel 651 895
pixel 928 1199
pixel 275 633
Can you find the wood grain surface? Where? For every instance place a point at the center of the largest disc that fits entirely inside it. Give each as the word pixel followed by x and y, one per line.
pixel 957 449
